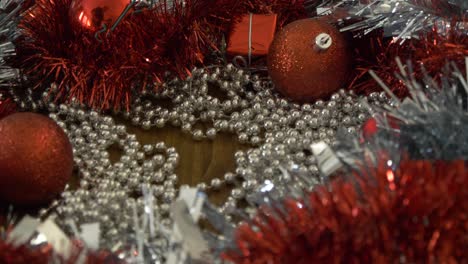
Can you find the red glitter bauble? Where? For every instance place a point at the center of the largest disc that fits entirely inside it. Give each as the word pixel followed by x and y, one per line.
pixel 309 60
pixel 94 13
pixel 36 159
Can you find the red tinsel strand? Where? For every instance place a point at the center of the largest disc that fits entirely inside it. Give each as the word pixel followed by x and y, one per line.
pixel 432 51
pixel 104 73
pixel 418 214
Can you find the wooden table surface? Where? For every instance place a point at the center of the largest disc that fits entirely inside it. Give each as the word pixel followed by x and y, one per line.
pixel 200 161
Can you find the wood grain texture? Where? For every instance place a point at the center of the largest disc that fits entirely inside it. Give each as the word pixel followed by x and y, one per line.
pixel 200 161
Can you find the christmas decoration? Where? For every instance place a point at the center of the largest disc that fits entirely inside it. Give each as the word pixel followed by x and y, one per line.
pixel 397 196
pixel 432 124
pixel 36 159
pixel 253 35
pixel 308 187
pixel 96 13
pixel 146 173
pixel 33 241
pixel 415 211
pixel 404 19
pixel 105 70
pixel 9 13
pixel 427 32
pixel 432 51
pixel 309 60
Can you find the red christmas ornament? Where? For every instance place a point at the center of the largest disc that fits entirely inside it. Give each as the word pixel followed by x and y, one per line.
pixel 36 159
pixel 94 13
pixel 309 60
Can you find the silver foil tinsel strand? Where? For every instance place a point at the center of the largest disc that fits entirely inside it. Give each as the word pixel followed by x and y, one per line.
pixel 403 19
pixel 9 16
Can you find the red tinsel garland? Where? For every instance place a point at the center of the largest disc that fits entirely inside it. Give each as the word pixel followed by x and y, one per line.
pixel 432 51
pixel 104 73
pixel 418 214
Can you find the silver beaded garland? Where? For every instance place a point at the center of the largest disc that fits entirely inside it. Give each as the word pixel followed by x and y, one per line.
pixel 278 131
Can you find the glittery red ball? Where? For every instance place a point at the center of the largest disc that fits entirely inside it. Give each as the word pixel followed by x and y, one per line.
pixel 36 159
pixel 304 69
pixel 94 13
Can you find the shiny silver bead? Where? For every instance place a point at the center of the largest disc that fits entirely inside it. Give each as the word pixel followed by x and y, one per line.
pixel 216 183
pixel 211 133
pixel 237 194
pixel 198 134
pixel 229 177
pixel 202 186
pixel 249 184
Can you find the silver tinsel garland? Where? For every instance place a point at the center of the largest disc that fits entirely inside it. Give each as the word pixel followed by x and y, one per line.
pixel 433 121
pixel 9 16
pixel 402 19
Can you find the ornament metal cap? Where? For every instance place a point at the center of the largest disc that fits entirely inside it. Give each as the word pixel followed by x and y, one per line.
pixel 323 41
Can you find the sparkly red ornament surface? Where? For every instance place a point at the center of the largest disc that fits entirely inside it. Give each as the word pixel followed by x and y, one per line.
pixel 417 213
pixel 96 13
pixel 303 69
pixel 36 159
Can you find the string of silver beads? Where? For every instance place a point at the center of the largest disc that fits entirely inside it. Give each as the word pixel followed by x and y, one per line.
pixel 279 131
pixel 107 192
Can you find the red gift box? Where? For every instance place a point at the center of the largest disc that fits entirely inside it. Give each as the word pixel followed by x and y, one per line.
pixel 252 35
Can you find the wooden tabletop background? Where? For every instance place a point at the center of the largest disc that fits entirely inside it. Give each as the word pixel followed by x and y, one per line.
pixel 200 161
